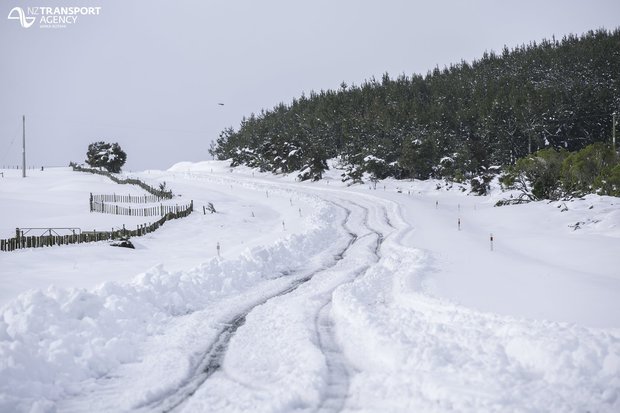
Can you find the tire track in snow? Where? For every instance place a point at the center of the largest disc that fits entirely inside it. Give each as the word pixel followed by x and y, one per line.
pixel 338 370
pixel 337 383
pixel 211 361
pixel 338 373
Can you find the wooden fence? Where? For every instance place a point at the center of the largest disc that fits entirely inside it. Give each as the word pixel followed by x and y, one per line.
pixel 128 181
pixel 157 210
pixel 20 241
pixel 127 199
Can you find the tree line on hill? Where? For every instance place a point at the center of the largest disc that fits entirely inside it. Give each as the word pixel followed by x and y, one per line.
pixel 463 122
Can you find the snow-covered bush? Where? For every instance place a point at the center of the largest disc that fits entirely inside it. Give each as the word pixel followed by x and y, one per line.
pixel 106 155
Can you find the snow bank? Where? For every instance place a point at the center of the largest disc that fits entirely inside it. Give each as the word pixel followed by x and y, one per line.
pixel 50 340
pixel 419 353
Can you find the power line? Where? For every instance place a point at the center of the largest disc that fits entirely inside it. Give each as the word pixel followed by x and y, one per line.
pixel 8 150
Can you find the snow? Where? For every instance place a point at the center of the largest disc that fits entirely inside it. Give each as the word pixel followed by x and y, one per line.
pixel 372 158
pixel 346 298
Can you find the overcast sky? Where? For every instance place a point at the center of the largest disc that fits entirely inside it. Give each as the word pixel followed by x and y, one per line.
pixel 150 74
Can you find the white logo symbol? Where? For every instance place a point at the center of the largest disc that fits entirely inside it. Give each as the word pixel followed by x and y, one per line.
pixel 26 22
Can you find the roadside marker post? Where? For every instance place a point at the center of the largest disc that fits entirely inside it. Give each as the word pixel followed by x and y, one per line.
pixel 491 239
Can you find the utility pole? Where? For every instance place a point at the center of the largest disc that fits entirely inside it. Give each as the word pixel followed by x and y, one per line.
pixel 24 146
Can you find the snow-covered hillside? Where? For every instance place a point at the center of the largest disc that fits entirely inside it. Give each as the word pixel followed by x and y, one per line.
pixel 326 297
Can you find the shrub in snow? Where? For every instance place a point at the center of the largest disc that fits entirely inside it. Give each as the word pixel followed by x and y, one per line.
pixel 537 176
pixel 553 174
pixel 591 168
pixel 481 184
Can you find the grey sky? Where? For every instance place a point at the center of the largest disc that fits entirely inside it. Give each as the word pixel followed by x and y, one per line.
pixel 150 74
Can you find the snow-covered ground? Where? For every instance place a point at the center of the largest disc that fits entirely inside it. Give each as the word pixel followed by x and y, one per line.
pixel 326 297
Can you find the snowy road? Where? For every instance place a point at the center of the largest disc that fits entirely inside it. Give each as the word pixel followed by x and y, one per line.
pixel 262 332
pixel 345 313
pixel 279 345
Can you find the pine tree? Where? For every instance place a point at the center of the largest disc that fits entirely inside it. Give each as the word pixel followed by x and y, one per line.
pixel 105 155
